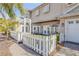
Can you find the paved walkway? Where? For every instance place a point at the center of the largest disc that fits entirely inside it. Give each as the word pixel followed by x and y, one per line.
pixel 17 50
pixel 65 51
pixel 71 45
pixel 2 37
pixel 10 48
pixel 4 47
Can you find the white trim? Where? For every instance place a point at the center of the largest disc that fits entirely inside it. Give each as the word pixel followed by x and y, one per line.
pixel 71 9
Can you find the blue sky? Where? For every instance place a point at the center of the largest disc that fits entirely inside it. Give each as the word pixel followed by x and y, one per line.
pixel 31 6
pixel 28 6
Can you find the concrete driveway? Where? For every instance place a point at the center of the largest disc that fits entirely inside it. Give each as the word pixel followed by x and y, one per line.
pixel 16 50
pixel 71 45
pixel 69 49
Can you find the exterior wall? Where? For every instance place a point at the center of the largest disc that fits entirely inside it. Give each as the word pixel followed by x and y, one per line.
pixel 55 9
pixel 46 26
pixel 62 30
pixel 50 18
pixel 47 23
pixel 62 27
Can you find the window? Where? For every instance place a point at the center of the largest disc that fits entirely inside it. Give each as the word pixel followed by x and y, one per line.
pixel 22 29
pixel 62 24
pixel 27 24
pixel 34 28
pixel 37 13
pixel 70 22
pixel 38 29
pixel 46 9
pixel 69 4
pixel 77 21
pixel 26 29
pixel 54 29
pixel 44 31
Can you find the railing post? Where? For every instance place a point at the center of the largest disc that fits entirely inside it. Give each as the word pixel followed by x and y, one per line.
pixel 34 42
pixel 47 45
pixel 44 38
pixel 36 45
pixel 31 41
pixel 40 45
pixel 18 37
pixel 53 44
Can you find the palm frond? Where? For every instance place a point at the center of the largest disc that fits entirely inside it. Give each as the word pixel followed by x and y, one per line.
pixel 9 8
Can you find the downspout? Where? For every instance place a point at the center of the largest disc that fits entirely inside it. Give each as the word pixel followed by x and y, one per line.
pixel 64 32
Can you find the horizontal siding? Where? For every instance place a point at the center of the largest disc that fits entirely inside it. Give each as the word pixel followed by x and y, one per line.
pixel 55 10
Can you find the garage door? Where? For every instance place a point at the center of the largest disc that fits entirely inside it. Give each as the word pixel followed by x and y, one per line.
pixel 72 30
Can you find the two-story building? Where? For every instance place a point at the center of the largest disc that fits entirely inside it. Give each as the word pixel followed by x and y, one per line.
pixel 50 18
pixel 45 17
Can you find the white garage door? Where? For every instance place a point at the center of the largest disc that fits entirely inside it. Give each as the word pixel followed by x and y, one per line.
pixel 72 30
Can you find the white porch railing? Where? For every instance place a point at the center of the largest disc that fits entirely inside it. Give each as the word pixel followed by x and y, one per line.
pixel 43 45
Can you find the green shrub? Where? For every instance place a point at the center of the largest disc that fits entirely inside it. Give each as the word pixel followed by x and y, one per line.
pixel 57 38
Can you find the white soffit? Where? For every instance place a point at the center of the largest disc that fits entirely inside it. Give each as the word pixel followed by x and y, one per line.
pixel 71 9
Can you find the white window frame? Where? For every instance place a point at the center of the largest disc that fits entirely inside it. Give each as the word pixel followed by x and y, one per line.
pixel 22 28
pixel 46 8
pixel 37 12
pixel 77 21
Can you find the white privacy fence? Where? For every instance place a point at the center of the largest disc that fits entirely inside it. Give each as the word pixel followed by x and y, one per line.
pixel 43 45
pixel 14 35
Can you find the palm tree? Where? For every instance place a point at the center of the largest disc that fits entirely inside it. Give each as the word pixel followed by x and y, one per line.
pixel 6 26
pixel 9 9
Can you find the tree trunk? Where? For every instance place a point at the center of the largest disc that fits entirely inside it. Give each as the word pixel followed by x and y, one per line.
pixel 8 35
pixel 2 14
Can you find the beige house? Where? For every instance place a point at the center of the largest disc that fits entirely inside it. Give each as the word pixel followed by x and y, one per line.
pixel 69 24
pixel 45 16
pixel 60 17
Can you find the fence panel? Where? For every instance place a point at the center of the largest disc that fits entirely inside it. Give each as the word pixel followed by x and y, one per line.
pixel 41 44
pixel 14 35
